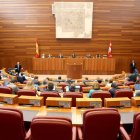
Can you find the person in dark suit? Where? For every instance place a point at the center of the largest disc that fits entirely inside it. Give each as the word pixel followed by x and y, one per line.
pixel 18 68
pixel 132 66
pixel 61 56
pixel 73 55
pixel 21 78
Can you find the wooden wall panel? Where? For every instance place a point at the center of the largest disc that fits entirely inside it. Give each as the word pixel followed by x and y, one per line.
pixel 22 22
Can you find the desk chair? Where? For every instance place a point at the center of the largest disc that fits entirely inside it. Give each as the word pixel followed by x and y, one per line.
pixel 52 128
pixel 124 93
pixel 135 130
pixel 102 95
pixel 4 89
pixel 26 92
pixel 12 125
pixel 73 95
pixel 100 124
pixel 49 94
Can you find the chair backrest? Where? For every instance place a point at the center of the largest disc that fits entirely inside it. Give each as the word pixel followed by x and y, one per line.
pixel 26 92
pixel 4 89
pixel 101 124
pixel 62 85
pixel 11 124
pixel 73 95
pixel 51 128
pixel 136 127
pixel 49 94
pixel 102 95
pixel 128 83
pixel 124 93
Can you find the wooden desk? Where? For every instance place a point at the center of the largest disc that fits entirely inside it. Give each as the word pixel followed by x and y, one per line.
pixel 59 65
pixel 31 100
pixel 135 101
pixel 118 102
pixel 88 102
pixel 8 98
pixel 59 102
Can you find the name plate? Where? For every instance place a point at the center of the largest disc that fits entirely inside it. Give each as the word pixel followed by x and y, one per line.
pixel 35 102
pixel 65 104
pixel 88 102
pixel 95 104
pixel 125 103
pixel 8 100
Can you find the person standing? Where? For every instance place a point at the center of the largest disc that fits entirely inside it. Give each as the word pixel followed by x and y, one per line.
pixel 132 66
pixel 17 68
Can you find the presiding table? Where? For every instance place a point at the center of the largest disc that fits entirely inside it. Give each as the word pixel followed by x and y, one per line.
pixel 60 65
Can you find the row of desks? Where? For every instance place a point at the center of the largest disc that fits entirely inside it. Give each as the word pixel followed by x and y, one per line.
pixel 67 102
pixel 73 113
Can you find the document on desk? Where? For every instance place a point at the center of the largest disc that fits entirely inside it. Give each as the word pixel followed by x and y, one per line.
pixel 127 117
pixel 29 114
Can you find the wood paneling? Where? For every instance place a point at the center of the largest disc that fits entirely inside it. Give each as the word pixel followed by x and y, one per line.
pixel 60 65
pixel 22 22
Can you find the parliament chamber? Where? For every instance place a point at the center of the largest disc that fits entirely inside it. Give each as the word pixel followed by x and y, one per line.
pixel 53 54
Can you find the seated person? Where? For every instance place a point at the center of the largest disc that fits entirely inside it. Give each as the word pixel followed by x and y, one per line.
pixel 51 87
pixel 137 93
pixel 36 81
pixel 21 78
pixel 13 86
pixel 70 81
pixel 136 71
pixel 95 88
pixel 99 80
pixel 114 87
pixel 88 56
pixel 86 80
pixel 70 88
pixel 49 55
pixel 132 77
pixel 60 56
pixel 137 89
pixel 138 79
pixel 29 86
pixel 108 82
pixel 73 55
pixel 59 79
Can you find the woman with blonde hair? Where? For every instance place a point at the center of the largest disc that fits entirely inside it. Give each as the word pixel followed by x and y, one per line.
pixel 95 88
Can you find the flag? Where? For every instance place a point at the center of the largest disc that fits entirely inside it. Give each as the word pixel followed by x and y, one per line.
pixel 37 50
pixel 110 50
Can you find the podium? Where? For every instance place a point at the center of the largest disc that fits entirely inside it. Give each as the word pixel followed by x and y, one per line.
pixel 74 71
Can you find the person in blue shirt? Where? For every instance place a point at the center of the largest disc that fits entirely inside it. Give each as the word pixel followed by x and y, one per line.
pixel 95 88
